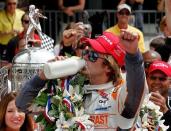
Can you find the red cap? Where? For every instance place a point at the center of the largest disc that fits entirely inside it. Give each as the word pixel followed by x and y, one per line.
pixel 107 44
pixel 162 66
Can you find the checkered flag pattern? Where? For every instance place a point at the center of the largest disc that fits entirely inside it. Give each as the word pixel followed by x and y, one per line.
pixel 47 42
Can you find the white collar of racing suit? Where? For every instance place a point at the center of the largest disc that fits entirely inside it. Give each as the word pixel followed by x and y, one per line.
pixel 90 88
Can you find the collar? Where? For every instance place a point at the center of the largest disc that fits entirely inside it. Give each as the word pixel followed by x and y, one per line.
pixel 90 88
pixel 120 28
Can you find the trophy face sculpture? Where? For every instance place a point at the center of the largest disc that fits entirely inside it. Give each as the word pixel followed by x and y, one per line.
pixel 28 62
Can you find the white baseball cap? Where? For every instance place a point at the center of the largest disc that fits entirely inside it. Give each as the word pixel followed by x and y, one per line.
pixel 123 6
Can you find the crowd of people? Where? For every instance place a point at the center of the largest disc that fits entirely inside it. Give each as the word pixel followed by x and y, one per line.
pixel 119 71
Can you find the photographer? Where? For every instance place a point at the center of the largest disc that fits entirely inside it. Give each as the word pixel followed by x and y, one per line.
pixel 71 36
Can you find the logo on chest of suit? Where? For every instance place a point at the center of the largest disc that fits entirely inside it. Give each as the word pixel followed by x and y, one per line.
pixel 104 98
pixel 100 120
pixel 103 104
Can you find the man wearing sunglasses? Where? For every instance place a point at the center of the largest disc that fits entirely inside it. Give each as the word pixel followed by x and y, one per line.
pixel 159 84
pixel 111 103
pixel 123 15
pixel 148 57
pixel 106 95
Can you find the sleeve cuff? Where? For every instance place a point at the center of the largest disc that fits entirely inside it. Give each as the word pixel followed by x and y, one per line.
pixel 125 123
pixel 134 58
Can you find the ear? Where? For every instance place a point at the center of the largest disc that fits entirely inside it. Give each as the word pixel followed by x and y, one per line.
pixel 107 68
pixel 117 14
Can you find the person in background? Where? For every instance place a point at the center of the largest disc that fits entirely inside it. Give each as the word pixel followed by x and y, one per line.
pixel 10 24
pixel 71 7
pixel 163 29
pixel 21 46
pixel 160 5
pixel 139 18
pixel 71 10
pixel 168 13
pixel 159 86
pixel 156 43
pixel 137 7
pixel 13 43
pixel 165 50
pixel 11 119
pixel 123 14
pixel 71 37
pixel 34 40
pixel 149 57
pixel 160 8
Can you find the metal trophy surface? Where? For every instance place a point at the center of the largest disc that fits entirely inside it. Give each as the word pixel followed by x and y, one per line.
pixel 3 82
pixel 28 62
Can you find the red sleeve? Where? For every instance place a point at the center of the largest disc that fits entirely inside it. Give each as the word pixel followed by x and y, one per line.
pixel 36 37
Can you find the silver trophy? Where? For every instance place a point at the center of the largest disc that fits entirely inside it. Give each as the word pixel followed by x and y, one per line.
pixel 3 81
pixel 34 24
pixel 28 63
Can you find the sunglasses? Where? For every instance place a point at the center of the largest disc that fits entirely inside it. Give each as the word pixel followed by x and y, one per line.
pixel 25 21
pixel 92 55
pixel 147 65
pixel 124 13
pixel 11 3
pixel 159 78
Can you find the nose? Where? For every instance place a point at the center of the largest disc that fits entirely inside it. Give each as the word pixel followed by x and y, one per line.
pixel 17 115
pixel 157 81
pixel 19 118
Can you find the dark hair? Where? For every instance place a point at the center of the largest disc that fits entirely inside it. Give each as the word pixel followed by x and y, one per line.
pixel 157 42
pixel 25 14
pixel 27 125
